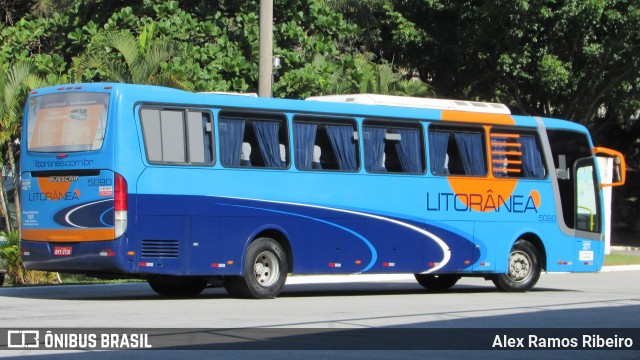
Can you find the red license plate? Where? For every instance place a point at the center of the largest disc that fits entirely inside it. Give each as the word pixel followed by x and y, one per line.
pixel 62 251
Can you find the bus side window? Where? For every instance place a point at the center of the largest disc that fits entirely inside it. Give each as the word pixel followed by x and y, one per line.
pixel 390 147
pixel 325 144
pixel 177 136
pixel 200 130
pixel 253 140
pixel 457 152
pixel 516 154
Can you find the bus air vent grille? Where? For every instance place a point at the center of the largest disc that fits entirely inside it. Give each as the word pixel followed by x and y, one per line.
pixel 160 248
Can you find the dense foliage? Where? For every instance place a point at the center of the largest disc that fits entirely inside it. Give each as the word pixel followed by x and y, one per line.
pixel 11 261
pixel 573 59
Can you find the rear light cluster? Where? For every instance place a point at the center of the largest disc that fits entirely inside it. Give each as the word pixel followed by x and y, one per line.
pixel 121 205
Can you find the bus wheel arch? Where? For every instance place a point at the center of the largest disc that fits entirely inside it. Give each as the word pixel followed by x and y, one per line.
pixel 537 243
pixel 283 240
pixel 524 266
pixel 265 267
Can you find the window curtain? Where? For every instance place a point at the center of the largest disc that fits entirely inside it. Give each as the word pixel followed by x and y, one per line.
pixel 374 148
pixel 267 134
pixel 231 134
pixel 409 149
pixel 470 147
pixel 305 136
pixel 341 137
pixel 438 144
pixel 531 160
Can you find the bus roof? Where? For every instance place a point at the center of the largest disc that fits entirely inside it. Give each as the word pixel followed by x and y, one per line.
pixel 359 105
pixel 408 101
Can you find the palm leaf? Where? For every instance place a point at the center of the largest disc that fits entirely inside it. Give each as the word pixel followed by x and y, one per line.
pixel 89 60
pixel 116 72
pixel 14 79
pixel 170 80
pixel 125 44
pixel 413 88
pixel 157 55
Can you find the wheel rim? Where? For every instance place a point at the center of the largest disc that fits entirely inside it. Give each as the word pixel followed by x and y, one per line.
pixel 266 268
pixel 519 266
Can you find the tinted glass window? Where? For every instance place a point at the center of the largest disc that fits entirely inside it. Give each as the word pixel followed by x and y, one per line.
pixel 67 122
pixel 457 151
pixel 516 154
pixel 177 136
pixel 253 140
pixel 389 147
pixel 567 148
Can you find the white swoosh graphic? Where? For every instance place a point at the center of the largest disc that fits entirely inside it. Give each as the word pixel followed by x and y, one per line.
pixel 66 217
pixel 445 248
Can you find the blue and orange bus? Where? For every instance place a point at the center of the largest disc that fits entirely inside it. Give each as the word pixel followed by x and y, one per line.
pixel 188 189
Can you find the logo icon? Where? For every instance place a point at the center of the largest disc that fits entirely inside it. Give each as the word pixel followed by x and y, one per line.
pixel 23 339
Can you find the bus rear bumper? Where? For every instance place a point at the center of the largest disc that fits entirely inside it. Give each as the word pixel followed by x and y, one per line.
pixel 77 257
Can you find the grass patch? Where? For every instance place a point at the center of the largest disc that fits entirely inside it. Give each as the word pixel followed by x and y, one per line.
pixel 621 259
pixel 74 279
pixel 78 279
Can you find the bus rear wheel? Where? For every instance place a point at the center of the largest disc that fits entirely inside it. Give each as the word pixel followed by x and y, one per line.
pixel 178 286
pixel 265 271
pixel 523 270
pixel 437 282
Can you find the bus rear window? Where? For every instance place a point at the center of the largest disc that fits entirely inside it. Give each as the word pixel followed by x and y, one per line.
pixel 67 122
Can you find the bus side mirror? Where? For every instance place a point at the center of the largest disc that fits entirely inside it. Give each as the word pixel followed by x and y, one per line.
pixel 619 165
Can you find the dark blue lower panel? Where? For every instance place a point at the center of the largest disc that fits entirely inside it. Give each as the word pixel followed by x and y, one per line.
pixel 214 232
pixel 189 235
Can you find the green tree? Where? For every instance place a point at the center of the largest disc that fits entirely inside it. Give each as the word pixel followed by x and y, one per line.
pixel 15 82
pixel 120 57
pixel 366 14
pixel 574 59
pixel 383 79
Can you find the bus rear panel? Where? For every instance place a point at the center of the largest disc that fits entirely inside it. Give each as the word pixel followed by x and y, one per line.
pixel 73 203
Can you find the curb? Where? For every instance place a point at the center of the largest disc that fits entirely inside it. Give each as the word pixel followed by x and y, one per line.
pixel 620 268
pixel 365 278
pixel 625 248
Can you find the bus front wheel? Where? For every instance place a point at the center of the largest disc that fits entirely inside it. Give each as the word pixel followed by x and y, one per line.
pixel 265 271
pixel 523 269
pixel 436 282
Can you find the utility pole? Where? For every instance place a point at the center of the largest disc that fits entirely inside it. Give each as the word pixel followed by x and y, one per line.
pixel 265 66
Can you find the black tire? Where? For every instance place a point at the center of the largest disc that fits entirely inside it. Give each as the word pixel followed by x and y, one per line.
pixel 265 271
pixel 523 270
pixel 437 282
pixel 178 286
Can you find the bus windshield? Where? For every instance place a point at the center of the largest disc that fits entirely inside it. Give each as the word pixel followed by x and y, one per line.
pixel 67 122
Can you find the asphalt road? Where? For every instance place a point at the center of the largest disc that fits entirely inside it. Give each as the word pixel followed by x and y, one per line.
pixel 335 304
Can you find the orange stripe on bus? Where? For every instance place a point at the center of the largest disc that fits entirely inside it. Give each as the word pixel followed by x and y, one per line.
pixel 505 144
pixel 515 153
pixel 501 161
pixel 507 170
pixel 68 235
pixel 505 135
pixel 480 118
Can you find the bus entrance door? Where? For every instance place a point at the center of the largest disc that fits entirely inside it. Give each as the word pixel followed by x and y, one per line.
pixel 589 245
